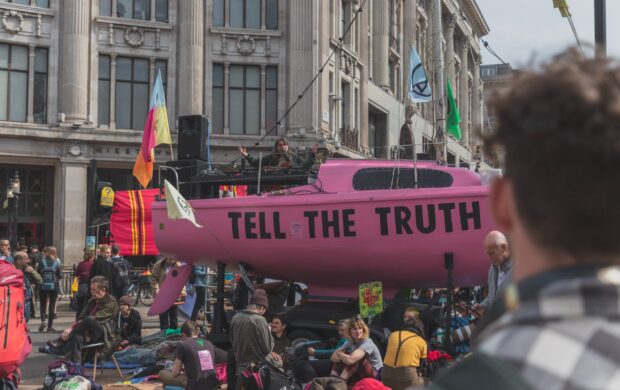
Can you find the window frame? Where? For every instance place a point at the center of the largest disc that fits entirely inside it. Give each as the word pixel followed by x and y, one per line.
pixel 245 88
pixel 10 71
pixel 268 8
pixel 132 83
pixel 46 75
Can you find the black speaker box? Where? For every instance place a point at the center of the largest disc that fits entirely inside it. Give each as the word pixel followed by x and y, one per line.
pixel 193 132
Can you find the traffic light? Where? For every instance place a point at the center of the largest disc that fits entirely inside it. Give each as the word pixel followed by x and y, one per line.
pixel 103 199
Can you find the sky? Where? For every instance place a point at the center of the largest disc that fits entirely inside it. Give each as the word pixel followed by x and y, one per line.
pixel 532 30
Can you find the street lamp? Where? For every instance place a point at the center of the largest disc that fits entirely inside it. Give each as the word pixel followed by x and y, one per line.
pixel 13 192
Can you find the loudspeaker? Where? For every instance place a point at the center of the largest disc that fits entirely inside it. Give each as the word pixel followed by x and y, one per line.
pixel 193 132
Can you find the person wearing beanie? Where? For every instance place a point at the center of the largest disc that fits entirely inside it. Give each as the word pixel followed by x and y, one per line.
pixel 250 335
pixel 129 323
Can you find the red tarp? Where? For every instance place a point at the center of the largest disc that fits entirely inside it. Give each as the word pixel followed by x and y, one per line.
pixel 131 223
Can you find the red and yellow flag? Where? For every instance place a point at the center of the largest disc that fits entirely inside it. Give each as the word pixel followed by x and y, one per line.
pixel 156 132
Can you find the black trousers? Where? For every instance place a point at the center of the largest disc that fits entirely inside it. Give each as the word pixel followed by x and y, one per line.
pixel 44 297
pixel 200 301
pixel 88 326
pixel 168 319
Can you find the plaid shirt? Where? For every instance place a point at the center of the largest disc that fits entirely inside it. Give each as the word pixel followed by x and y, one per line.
pixel 560 329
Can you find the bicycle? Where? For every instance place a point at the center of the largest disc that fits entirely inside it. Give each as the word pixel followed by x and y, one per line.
pixel 140 288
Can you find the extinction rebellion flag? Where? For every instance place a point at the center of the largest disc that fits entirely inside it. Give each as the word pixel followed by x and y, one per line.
pixel 419 89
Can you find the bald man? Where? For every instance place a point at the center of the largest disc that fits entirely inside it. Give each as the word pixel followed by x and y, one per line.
pixel 500 272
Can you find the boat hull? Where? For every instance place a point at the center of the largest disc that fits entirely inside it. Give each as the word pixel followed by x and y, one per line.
pixel 398 237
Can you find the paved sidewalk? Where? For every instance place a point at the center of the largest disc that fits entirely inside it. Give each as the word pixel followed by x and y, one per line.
pixel 35 366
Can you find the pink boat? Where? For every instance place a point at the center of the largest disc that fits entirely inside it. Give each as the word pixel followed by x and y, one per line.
pixel 360 221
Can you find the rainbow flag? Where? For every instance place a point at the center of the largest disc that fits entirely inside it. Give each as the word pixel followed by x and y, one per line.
pixel 156 132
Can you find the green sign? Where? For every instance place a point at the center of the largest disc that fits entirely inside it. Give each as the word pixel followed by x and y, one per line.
pixel 371 299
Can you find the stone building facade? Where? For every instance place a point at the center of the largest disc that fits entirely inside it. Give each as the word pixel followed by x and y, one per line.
pixel 76 75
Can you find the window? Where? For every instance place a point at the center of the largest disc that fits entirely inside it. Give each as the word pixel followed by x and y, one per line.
pixel 103 104
pixel 388 178
pixel 247 115
pixel 135 9
pixel 14 99
pixel 272 14
pixel 218 13
pixel 40 86
pixel 244 100
pixel 132 86
pixel 22 2
pixel 345 122
pixel 132 92
pixel 271 97
pixel 13 82
pixel 217 114
pixel 246 13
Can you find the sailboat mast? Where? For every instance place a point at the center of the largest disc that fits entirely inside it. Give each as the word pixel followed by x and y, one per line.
pixel 440 123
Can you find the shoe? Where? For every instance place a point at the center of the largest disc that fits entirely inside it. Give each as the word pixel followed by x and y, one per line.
pixel 55 316
pixel 54 343
pixel 50 329
pixel 42 327
pixel 43 349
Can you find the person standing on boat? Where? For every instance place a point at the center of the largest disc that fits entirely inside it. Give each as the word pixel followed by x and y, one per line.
pixel 500 272
pixel 556 325
pixel 282 157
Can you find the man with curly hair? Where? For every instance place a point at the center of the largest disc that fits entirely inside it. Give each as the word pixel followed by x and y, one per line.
pixel 556 324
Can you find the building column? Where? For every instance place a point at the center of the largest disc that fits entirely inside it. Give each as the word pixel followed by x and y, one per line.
pixel 449 68
pixel 191 56
pixel 301 64
pixel 263 95
pixel 75 24
pixel 364 76
pixel 464 93
pixel 226 101
pixel 113 91
pixel 72 210
pixel 410 18
pixel 380 43
pixel 30 104
pixel 476 111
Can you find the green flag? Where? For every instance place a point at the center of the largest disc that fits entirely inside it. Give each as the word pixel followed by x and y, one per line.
pixel 452 123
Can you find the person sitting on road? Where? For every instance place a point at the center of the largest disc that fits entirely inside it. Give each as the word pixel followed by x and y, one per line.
pixel 194 362
pixel 282 157
pixel 406 354
pixel 327 353
pixel 359 358
pixel 129 323
pixel 278 331
pixel 95 324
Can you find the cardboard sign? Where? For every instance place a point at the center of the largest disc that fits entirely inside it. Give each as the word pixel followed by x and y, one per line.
pixel 371 299
pixel 107 197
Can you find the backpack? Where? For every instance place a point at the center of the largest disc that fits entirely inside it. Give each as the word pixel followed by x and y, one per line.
pixel 48 274
pixel 15 343
pixel 59 371
pixel 121 273
pixel 266 376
